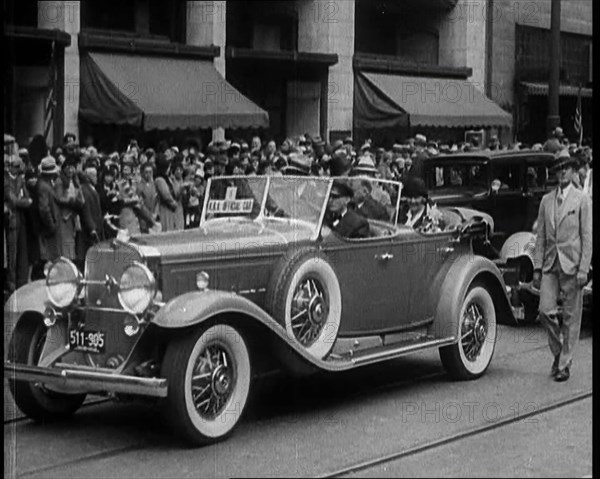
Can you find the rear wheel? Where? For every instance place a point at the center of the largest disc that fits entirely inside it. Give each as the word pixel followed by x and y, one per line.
pixel 34 399
pixel 208 374
pixel 471 355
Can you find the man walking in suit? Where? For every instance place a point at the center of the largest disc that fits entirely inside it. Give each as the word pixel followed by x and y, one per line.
pixel 345 222
pixel 563 253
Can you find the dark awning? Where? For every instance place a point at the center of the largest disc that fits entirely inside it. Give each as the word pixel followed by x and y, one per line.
pixel 162 93
pixel 541 89
pixel 382 100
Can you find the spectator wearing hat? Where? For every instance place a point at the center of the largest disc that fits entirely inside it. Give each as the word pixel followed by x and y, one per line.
pixel 70 200
pixel 38 149
pixel 340 164
pixel 146 191
pixel 220 164
pixel 170 209
pixel 342 219
pixel 92 221
pixel 384 167
pixel 419 213
pixel 109 196
pixel 584 173
pixel 36 270
pixel 17 200
pixel 49 211
pixel 195 200
pixel 298 164
pixel 553 143
pixel 562 257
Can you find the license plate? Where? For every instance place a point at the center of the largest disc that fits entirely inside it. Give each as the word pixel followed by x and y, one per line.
pixel 87 341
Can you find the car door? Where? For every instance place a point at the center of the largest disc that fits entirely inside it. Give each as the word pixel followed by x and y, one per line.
pixel 366 274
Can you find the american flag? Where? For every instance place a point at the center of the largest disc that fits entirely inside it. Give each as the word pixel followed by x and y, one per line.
pixel 578 120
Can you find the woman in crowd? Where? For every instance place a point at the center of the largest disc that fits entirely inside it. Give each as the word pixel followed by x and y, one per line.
pixel 70 200
pixel 170 209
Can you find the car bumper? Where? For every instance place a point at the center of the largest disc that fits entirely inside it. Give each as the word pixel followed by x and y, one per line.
pixel 92 381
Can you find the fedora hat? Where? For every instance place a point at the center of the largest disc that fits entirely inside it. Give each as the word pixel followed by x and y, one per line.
pixel 563 159
pixel 365 166
pixel 48 166
pixel 298 164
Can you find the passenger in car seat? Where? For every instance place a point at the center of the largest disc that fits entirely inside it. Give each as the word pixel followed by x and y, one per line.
pixel 420 213
pixel 341 219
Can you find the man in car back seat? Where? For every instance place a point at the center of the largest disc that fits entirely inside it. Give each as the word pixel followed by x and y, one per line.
pixel 364 204
pixel 342 220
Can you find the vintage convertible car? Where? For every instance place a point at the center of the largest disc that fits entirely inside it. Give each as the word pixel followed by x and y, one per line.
pixel 189 318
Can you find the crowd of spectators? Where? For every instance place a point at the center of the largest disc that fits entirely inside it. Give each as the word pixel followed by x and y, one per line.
pixel 60 201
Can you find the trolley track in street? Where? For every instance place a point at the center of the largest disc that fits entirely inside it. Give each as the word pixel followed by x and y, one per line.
pixel 428 446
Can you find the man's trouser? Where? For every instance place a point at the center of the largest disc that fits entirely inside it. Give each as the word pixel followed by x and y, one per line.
pixel 563 332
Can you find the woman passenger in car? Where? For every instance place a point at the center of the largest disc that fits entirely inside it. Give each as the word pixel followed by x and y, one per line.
pixel 420 213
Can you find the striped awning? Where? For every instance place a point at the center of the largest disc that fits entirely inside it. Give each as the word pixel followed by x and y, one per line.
pixel 541 89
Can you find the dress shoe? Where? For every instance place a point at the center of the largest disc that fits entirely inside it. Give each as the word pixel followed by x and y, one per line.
pixel 562 375
pixel 554 369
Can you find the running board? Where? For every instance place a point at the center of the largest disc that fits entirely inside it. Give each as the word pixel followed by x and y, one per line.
pixel 390 352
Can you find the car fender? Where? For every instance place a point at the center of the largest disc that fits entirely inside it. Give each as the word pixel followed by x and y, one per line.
pixel 454 285
pixel 29 298
pixel 518 245
pixel 196 307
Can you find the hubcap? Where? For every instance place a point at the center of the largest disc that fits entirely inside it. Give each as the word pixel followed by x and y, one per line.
pixel 473 331
pixel 213 380
pixel 310 310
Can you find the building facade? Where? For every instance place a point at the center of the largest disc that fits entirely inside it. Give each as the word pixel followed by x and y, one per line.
pixel 369 68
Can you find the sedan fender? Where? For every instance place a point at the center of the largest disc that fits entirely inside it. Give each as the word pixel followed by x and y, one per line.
pixel 455 281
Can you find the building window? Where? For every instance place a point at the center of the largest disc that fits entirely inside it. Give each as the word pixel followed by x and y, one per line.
pixel 147 18
pixel 533 55
pixel 407 31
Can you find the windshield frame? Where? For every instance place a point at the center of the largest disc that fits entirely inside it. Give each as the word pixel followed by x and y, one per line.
pixel 317 226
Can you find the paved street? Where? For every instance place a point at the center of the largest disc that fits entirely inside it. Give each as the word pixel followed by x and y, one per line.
pixel 319 425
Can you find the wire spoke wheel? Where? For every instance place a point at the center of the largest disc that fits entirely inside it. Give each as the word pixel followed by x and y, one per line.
pixel 208 373
pixel 310 308
pixel 472 354
pixel 213 380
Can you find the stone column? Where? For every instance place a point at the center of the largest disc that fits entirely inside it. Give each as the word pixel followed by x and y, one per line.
pixel 327 26
pixel 206 26
pixel 66 16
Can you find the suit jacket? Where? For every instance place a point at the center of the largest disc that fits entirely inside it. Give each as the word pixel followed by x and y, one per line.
pixel 372 209
pixel 351 225
pixel 49 215
pixel 91 214
pixel 16 197
pixel 566 233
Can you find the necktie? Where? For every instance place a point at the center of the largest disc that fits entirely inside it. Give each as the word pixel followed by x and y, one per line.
pixel 559 200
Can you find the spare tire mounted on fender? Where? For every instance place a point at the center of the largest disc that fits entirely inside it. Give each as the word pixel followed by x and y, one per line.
pixel 304 296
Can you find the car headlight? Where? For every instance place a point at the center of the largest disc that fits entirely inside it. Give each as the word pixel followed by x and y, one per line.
pixel 137 288
pixel 63 282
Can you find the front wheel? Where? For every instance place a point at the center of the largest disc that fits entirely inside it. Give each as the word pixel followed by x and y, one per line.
pixel 208 375
pixel 471 355
pixel 37 402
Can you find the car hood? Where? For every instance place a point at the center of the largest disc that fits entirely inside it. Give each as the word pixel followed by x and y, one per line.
pixel 225 238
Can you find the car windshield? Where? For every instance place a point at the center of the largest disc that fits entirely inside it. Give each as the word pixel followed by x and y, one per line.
pixel 289 197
